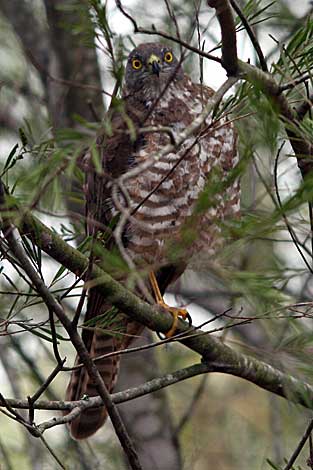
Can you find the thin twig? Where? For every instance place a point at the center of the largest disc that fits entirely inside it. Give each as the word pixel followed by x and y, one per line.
pixel 54 338
pixel 304 107
pixel 183 136
pixel 81 349
pixel 47 382
pixel 234 362
pixel 190 409
pixel 164 35
pixel 51 451
pixel 61 81
pixel 251 34
pixel 300 446
pixel 290 229
pixel 293 83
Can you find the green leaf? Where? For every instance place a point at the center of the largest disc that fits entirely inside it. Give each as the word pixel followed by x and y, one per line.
pixel 58 336
pixel 23 136
pixel 272 465
pixel 82 248
pixel 96 158
pixel 36 333
pixel 112 322
pixel 9 161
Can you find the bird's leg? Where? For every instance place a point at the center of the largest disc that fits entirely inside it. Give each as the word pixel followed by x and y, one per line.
pixel 176 312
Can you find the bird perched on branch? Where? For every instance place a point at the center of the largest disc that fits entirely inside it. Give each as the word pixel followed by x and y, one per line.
pixel 159 197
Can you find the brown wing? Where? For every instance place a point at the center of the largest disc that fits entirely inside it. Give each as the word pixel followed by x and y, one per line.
pixel 164 214
pixel 116 157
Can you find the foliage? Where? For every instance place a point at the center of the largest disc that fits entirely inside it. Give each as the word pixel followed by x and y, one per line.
pixel 263 274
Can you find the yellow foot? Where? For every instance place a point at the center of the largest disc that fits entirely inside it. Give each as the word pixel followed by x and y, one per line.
pixel 176 312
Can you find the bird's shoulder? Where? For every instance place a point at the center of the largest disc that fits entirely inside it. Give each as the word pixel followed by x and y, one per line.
pixel 182 102
pixel 117 139
pixel 192 92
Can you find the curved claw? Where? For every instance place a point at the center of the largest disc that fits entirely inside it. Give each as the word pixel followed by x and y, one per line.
pixel 176 312
pixel 188 316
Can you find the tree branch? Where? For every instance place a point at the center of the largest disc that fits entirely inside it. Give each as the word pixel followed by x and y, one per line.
pixel 301 147
pixel 155 32
pixel 213 351
pixel 251 34
pixel 80 347
pixel 297 391
pixel 228 30
pixel 300 446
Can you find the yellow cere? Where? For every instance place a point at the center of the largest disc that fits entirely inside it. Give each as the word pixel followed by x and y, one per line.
pixel 136 64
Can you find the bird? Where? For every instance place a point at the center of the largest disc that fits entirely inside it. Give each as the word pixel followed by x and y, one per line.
pixel 171 219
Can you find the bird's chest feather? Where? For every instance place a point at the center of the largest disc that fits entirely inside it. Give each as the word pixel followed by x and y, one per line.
pixel 163 195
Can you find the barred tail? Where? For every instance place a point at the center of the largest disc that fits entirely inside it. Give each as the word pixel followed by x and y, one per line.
pixel 89 421
pixel 98 344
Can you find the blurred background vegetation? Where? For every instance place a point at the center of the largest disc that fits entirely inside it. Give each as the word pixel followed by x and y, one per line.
pixel 56 58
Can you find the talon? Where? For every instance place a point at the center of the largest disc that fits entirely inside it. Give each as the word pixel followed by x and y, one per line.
pixel 176 312
pixel 188 316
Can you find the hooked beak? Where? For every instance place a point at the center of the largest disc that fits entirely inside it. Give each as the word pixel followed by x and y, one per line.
pixel 154 62
pixel 155 68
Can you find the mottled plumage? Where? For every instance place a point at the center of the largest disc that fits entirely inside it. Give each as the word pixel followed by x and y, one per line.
pixel 162 199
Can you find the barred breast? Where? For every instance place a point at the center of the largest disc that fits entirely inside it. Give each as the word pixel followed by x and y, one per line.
pixel 164 197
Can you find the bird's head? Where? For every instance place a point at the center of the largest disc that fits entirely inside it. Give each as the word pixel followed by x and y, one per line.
pixel 149 68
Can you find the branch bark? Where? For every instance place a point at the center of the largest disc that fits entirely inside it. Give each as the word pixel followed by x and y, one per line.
pixel 301 146
pixel 251 34
pixel 300 392
pixel 93 372
pixel 228 30
pixel 212 350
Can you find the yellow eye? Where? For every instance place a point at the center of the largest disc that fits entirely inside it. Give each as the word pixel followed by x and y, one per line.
pixel 168 57
pixel 136 64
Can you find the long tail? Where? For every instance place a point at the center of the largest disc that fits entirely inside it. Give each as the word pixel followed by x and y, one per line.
pixel 97 343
